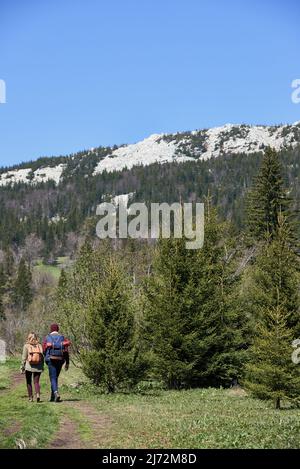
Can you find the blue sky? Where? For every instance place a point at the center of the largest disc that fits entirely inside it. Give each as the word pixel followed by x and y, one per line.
pixel 84 73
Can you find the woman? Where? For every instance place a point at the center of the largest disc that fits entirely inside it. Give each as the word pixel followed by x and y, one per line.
pixel 33 364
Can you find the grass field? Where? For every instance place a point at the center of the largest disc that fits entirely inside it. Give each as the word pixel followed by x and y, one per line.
pixel 53 270
pixel 200 418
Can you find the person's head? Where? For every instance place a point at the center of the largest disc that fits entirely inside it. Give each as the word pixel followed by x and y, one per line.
pixel 54 327
pixel 32 339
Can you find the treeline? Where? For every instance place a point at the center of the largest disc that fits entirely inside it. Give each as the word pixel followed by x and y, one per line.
pixel 16 294
pixel 25 296
pixel 16 283
pixel 223 314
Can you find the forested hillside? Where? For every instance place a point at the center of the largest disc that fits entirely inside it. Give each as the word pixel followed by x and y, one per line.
pixel 58 213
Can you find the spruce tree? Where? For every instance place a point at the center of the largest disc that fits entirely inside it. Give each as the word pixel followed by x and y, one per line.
pixel 195 330
pixel 62 284
pixel 73 295
pixel 270 372
pixel 22 293
pixel 2 314
pixel 75 292
pixel 9 262
pixel 274 278
pixel 268 198
pixel 221 323
pixel 2 289
pixel 49 241
pixel 112 358
pixel 171 333
pixel 275 289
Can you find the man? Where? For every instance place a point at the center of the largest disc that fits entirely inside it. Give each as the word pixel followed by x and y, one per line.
pixel 55 348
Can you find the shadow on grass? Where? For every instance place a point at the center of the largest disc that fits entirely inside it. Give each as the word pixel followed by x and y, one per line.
pixel 72 399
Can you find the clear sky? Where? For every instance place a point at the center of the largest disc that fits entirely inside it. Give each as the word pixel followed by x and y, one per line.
pixel 84 73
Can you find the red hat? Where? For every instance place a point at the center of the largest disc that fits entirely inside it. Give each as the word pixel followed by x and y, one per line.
pixel 54 327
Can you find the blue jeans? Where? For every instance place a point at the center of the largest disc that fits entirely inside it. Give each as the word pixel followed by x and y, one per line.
pixel 54 371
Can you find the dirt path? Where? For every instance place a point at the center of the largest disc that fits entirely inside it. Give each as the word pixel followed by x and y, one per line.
pixel 99 422
pixel 68 436
pixel 13 428
pixel 16 379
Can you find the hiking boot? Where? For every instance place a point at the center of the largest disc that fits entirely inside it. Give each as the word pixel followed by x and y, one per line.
pixel 30 399
pixel 57 397
pixel 38 399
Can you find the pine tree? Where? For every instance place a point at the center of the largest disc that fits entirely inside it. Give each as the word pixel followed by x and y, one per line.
pixel 221 323
pixel 75 292
pixel 270 372
pixel 22 293
pixel 62 284
pixel 73 295
pixel 274 278
pixel 194 328
pixel 2 314
pixel 113 359
pixel 49 241
pixel 2 288
pixel 275 289
pixel 9 262
pixel 268 198
pixel 171 335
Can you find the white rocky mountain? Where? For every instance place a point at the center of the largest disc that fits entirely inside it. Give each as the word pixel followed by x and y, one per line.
pixel 179 147
pixel 32 177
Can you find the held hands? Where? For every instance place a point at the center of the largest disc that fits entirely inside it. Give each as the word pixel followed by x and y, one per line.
pixel 22 369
